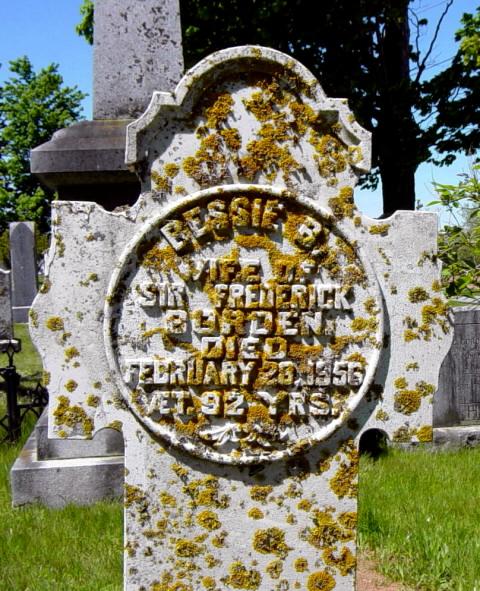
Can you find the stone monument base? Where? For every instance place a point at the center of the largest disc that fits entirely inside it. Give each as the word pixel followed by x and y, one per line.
pixel 57 473
pixel 456 437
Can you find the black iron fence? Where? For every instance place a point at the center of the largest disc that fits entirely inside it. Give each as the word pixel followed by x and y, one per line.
pixel 18 403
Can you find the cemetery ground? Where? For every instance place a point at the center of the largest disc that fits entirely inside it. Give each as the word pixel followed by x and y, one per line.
pixel 419 523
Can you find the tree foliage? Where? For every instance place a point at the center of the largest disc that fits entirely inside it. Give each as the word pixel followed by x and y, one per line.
pixel 459 242
pixel 369 52
pixel 32 107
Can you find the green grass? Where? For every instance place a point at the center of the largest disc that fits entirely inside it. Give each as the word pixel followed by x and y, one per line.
pixel 420 515
pixel 70 549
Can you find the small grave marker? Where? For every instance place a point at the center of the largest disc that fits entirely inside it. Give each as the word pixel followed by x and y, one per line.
pixel 245 324
pixel 23 263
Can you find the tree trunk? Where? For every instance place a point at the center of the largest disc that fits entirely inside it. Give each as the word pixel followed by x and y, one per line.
pixel 397 129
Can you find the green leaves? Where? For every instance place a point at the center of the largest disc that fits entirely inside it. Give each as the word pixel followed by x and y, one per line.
pixel 32 107
pixel 459 244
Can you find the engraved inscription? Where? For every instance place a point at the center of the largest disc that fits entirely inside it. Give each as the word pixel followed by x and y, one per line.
pixel 243 327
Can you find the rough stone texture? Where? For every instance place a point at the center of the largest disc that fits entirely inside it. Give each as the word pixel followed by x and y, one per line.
pixel 6 332
pixel 57 483
pixel 240 475
pixel 86 161
pixel 137 50
pixel 457 401
pixel 23 263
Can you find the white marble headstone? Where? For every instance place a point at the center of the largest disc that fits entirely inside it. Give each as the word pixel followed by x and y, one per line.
pixel 243 324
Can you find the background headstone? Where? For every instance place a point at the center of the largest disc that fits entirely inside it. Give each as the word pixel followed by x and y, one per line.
pixel 456 410
pixel 242 410
pixel 23 262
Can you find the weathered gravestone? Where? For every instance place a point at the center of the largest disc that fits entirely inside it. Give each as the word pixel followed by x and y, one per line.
pixel 23 262
pixel 245 324
pixel 456 415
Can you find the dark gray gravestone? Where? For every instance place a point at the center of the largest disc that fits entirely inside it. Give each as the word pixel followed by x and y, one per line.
pixel 24 268
pixel 457 402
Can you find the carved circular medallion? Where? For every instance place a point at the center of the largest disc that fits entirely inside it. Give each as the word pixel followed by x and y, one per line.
pixel 242 325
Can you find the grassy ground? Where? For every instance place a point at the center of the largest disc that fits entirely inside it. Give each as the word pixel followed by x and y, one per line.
pixel 72 549
pixel 420 514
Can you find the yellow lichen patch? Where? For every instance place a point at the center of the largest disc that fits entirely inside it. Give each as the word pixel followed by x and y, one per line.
pixel 320 581
pixel 240 577
pixel 403 434
pixel 46 376
pixel 267 156
pixel 274 569
pixel 344 561
pixel 424 388
pixel 370 306
pixel 168 583
pixel 348 519
pixel 171 169
pixel 72 416
pixel 260 493
pixel 360 324
pixel 331 156
pixel 425 434
pixel 436 286
pixel 381 415
pixel 161 259
pixel 208 520
pixel 410 335
pixel 381 229
pixel 133 494
pixel 407 401
pixel 219 110
pixel 93 400
pixel 344 482
pixel 232 138
pixel 205 492
pixel 209 583
pixel 400 383
pixel 255 513
pixel 71 385
pixel 116 425
pixel 300 565
pixel 304 505
pixel 343 205
pixel 270 541
pixel 70 353
pixel 188 549
pixel 167 500
pixel 325 531
pixel 417 294
pixel 54 323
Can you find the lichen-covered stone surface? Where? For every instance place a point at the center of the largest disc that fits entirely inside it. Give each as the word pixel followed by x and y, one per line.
pixel 243 324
